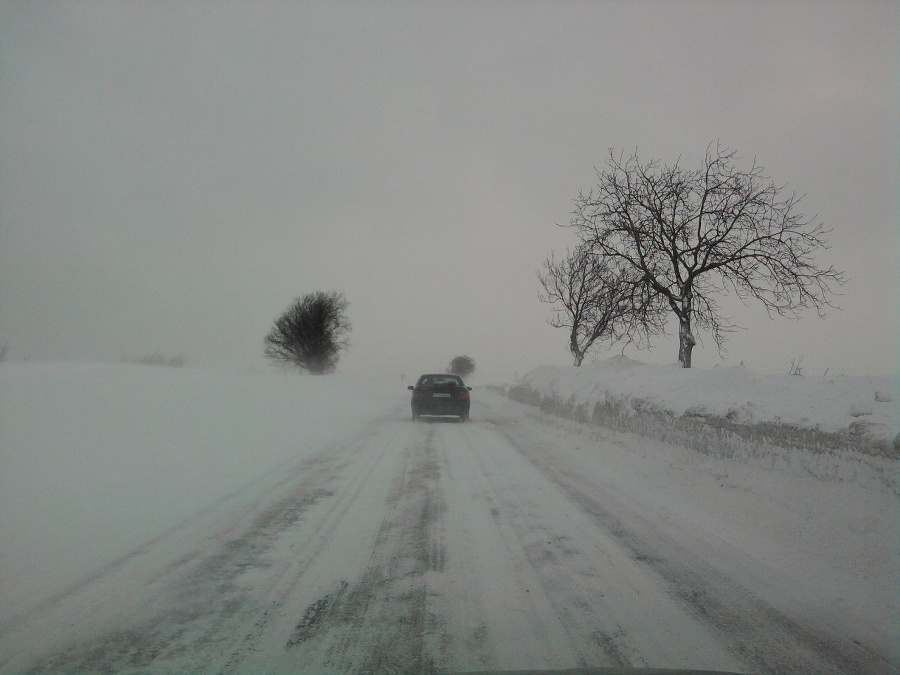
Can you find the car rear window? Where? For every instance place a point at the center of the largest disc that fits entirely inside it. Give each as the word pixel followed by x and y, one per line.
pixel 440 379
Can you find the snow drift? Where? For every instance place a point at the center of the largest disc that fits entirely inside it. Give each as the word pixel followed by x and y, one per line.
pixel 732 411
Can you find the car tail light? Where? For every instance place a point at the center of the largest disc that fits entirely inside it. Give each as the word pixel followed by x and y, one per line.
pixel 417 393
pixel 464 393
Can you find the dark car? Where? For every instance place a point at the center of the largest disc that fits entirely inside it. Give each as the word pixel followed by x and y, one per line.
pixel 440 394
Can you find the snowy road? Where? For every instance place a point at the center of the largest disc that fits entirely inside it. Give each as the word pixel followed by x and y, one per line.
pixel 432 547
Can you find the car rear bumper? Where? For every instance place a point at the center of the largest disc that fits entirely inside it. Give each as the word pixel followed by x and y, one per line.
pixel 441 409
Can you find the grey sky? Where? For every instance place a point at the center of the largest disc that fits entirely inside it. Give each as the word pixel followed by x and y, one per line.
pixel 173 174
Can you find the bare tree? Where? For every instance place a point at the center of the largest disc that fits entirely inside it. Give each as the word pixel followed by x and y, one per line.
pixel 597 301
pixel 310 334
pixel 694 235
pixel 462 366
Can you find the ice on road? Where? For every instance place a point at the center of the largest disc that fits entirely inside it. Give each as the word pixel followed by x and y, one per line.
pixel 441 547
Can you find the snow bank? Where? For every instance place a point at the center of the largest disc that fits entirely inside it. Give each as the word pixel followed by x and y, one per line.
pixel 96 460
pixel 731 411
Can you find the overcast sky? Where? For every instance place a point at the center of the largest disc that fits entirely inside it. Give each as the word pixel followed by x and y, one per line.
pixel 174 174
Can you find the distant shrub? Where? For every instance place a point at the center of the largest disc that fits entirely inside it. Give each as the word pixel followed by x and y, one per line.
pixel 311 333
pixel 156 359
pixel 462 366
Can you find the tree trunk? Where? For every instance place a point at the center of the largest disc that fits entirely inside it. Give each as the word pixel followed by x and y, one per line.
pixel 579 357
pixel 686 341
pixel 577 352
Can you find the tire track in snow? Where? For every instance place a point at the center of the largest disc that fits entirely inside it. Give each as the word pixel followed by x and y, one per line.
pixel 512 532
pixel 191 610
pixel 755 632
pixel 265 636
pixel 380 623
pixel 576 597
pixel 549 555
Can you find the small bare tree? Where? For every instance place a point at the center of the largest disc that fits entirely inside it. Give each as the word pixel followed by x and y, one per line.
pixel 310 334
pixel 597 301
pixel 692 236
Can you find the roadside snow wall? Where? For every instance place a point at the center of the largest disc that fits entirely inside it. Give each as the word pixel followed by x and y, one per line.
pixel 831 426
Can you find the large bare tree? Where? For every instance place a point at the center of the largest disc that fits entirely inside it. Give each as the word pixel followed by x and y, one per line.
pixel 597 301
pixel 694 235
pixel 311 333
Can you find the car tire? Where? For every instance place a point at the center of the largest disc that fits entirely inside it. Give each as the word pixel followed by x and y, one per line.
pixel 415 416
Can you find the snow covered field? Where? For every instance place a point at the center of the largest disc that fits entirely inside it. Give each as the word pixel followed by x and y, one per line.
pixel 96 460
pixel 157 518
